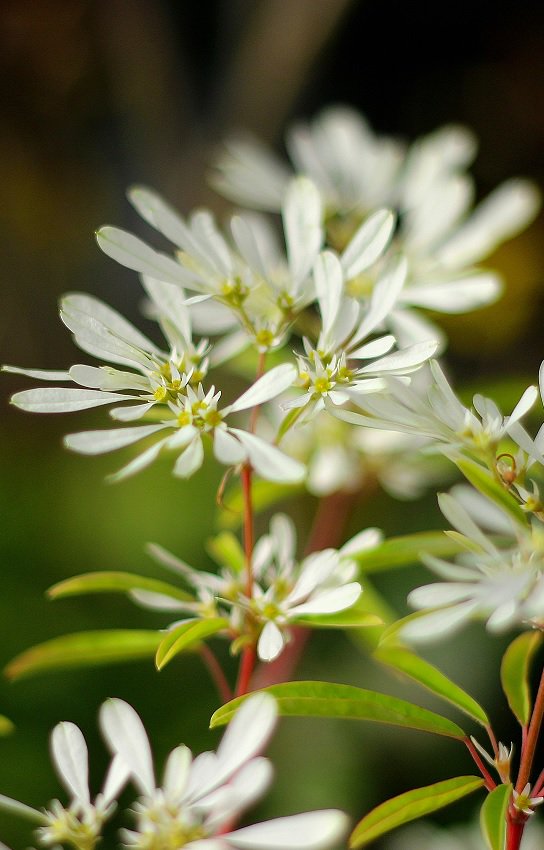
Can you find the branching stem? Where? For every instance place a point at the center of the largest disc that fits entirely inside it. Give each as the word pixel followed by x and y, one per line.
pixel 531 741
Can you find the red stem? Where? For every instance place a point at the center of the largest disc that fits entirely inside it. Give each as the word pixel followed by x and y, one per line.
pixel 514 833
pixel 490 783
pixel 216 672
pixel 528 752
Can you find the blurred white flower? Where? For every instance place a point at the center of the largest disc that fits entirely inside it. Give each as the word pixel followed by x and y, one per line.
pixel 201 797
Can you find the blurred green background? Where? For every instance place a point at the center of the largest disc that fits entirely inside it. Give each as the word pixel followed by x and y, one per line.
pixel 97 95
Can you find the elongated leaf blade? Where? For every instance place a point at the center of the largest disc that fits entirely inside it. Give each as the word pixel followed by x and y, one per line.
pixel 21 810
pixel 264 494
pixel 6 726
pixel 115 582
pixel 407 662
pixel 406 550
pixel 324 699
pixel 351 618
pixel 411 806
pixel 85 649
pixel 227 550
pixel 515 668
pixel 486 484
pixel 493 817
pixel 185 636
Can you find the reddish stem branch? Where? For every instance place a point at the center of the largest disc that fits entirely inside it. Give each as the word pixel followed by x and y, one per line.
pixel 490 783
pixel 247 664
pixel 514 833
pixel 216 673
pixel 528 752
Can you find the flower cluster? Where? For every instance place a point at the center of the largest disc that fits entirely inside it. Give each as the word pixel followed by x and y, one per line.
pixel 198 801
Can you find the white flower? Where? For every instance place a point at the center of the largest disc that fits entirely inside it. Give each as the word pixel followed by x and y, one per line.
pixel 437 413
pixel 80 824
pixel 200 797
pixel 504 586
pixel 286 591
pixel 524 802
pixel 330 372
pixel 426 183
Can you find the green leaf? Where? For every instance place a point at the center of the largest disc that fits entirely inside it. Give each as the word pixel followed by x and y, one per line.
pixel 85 649
pixel 406 550
pixel 227 551
pixel 185 636
pixel 515 669
pixel 324 699
pixel 490 487
pixel 411 806
pixel 115 582
pixel 6 726
pixel 264 494
pixel 406 661
pixel 493 817
pixel 351 618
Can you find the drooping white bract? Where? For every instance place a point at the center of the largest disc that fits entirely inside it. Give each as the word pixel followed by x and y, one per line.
pixel 426 183
pixel 80 824
pixel 287 591
pixel 330 372
pixel 502 584
pixel 437 413
pixel 201 797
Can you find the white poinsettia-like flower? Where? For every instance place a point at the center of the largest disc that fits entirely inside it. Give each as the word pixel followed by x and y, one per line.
pixel 170 382
pixel 503 585
pixel 200 797
pixel 344 365
pixel 80 824
pixel 437 413
pixel 426 184
pixel 287 591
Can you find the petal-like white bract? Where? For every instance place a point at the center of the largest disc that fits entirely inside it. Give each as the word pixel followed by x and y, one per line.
pixel 127 738
pixel 268 461
pixel 308 830
pixel 63 400
pixel 368 243
pixel 131 252
pixel 267 387
pixel 302 215
pixel 71 759
pixel 99 442
pixel 271 642
pixel 329 601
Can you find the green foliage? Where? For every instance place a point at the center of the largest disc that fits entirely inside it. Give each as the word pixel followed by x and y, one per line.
pixel 115 582
pixel 264 495
pixel 515 668
pixel 411 806
pixel 185 637
pixel 493 817
pixel 85 649
pixel 6 726
pixel 324 699
pixel 407 662
pixel 226 550
pixel 405 550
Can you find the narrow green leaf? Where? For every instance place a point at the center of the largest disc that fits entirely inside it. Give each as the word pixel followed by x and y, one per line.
pixel 115 582
pixel 351 618
pixel 185 636
pixel 515 668
pixel 21 810
pixel 406 661
pixel 486 484
pixel 265 494
pixel 493 817
pixel 85 649
pixel 324 699
pixel 406 550
pixel 411 806
pixel 6 726
pixel 227 550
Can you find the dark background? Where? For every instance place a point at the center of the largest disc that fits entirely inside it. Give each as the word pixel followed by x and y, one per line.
pixel 97 95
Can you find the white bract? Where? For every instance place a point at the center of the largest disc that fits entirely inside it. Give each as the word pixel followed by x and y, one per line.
pixel 201 797
pixel 502 584
pixel 426 183
pixel 80 824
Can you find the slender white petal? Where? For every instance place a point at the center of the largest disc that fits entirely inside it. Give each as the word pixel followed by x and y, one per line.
pixel 440 623
pixel 116 777
pixel 71 759
pixel 126 736
pixel 329 601
pixel 99 442
pixel 39 374
pixel 329 284
pixel 271 642
pixel 383 297
pixel 140 462
pixel 455 296
pixel 302 215
pixel 268 461
pixel 131 252
pixel 114 322
pixel 176 772
pixel 158 213
pixel 297 832
pixel 368 243
pixel 191 459
pixel 64 400
pixel 362 542
pixel 268 386
pixel 227 449
pixel 131 412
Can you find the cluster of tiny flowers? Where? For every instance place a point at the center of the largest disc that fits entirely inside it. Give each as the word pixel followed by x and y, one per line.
pixel 284 591
pixel 198 801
